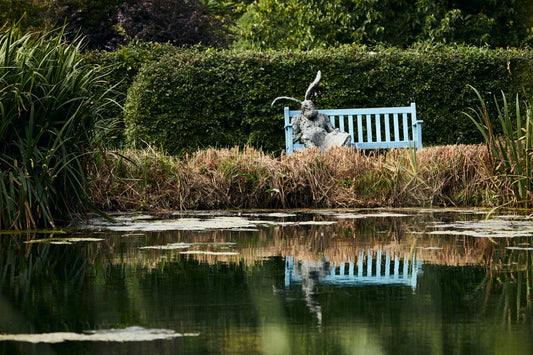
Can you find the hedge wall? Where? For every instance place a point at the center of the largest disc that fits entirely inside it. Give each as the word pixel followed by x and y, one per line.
pixel 124 64
pixel 197 98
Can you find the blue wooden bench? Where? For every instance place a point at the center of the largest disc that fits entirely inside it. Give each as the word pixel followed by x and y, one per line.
pixel 370 128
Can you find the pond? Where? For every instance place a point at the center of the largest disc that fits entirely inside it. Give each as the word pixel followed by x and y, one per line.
pixel 366 281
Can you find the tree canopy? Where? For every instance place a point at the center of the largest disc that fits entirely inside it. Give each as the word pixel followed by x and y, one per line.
pixel 306 24
pixel 283 24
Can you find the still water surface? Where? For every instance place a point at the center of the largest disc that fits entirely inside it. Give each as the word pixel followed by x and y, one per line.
pixel 403 281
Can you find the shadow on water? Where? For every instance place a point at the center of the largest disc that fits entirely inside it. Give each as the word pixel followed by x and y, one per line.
pixel 301 282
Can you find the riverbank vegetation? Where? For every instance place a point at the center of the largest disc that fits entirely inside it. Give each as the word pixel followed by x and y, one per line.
pixel 249 178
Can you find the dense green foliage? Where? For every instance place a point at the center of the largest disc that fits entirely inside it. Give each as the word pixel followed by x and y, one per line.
pixel 197 98
pixel 50 100
pixel 275 24
pixel 307 24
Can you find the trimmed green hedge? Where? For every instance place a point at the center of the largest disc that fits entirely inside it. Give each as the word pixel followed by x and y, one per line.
pixel 124 64
pixel 198 98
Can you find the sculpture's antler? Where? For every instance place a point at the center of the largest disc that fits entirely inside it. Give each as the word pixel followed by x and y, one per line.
pixel 289 100
pixel 312 87
pixel 285 100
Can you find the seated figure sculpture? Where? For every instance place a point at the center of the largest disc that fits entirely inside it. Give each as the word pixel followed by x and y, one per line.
pixel 312 127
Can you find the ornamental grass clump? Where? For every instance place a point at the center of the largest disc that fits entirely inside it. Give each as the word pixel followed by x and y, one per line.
pixel 50 102
pixel 510 151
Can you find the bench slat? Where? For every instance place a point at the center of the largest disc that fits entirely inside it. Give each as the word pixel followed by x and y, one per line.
pixel 369 128
pixel 350 125
pixel 364 111
pixel 396 128
pixel 378 127
pixel 359 128
pixel 387 127
pixel 405 127
pixel 413 128
pixel 384 145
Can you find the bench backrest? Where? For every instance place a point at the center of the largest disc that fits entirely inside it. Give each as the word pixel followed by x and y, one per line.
pixel 370 128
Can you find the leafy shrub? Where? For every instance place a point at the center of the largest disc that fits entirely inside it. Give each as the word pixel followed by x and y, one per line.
pixel 197 98
pixel 94 20
pixel 108 24
pixel 177 22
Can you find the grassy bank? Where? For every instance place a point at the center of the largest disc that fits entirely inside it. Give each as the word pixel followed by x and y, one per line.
pixel 455 175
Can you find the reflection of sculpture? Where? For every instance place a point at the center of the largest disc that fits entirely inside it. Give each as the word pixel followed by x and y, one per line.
pixel 312 127
pixel 313 274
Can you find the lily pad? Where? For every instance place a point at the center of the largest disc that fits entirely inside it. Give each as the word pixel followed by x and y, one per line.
pixel 116 335
pixel 183 245
pixel 371 215
pixel 132 235
pixel 135 217
pixel 209 252
pixel 317 223
pixel 194 224
pixel 37 231
pixel 491 228
pixel 484 234
pixel 272 214
pixel 63 240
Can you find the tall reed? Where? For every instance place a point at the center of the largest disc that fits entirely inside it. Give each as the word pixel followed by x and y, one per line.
pixel 510 151
pixel 249 178
pixel 48 110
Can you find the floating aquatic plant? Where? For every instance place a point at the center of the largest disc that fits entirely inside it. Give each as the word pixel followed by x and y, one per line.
pixel 63 240
pixel 130 334
pixel 487 228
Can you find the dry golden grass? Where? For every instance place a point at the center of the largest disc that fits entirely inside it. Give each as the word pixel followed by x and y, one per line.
pixel 248 178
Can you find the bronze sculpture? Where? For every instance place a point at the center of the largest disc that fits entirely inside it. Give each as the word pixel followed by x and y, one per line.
pixel 312 127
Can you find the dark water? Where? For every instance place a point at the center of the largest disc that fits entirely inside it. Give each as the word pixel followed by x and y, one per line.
pixel 305 282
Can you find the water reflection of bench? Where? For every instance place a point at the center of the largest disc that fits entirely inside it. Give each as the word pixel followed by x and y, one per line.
pixel 370 268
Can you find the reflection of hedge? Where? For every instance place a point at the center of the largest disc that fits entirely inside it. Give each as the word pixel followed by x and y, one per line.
pixel 199 98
